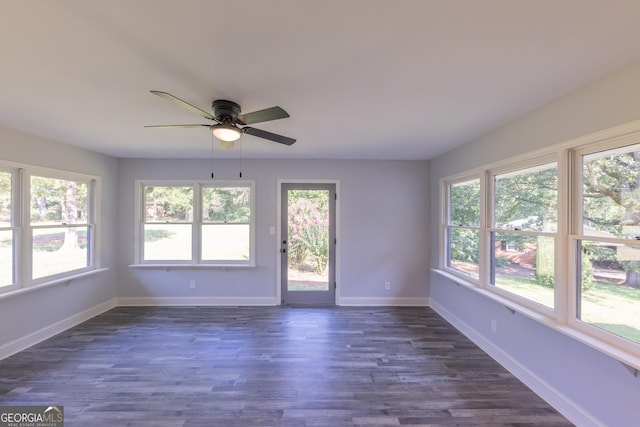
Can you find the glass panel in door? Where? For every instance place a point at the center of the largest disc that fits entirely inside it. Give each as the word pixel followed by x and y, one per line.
pixel 308 244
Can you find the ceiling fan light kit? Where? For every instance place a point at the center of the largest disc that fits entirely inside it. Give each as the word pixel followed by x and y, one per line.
pixel 227 118
pixel 226 132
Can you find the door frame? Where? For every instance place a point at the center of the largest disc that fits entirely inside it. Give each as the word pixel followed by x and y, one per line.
pixel 278 246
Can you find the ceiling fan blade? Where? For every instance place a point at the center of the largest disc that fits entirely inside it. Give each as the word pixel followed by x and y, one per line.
pixel 268 135
pixel 176 126
pixel 183 104
pixel 273 113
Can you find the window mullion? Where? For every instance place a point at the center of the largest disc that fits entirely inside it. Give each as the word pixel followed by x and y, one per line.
pixel 26 240
pixel 565 206
pixel 92 215
pixel 229 242
pixel 196 227
pixel 486 219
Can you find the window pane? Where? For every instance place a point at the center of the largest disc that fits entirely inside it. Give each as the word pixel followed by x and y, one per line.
pixel 464 247
pixel 611 194
pixel 226 204
pixel 57 250
pixel 308 230
pixel 464 203
pixel 609 291
pixel 222 242
pixel 168 204
pixel 169 242
pixel 527 199
pixel 5 199
pixel 55 201
pixel 6 258
pixel 524 264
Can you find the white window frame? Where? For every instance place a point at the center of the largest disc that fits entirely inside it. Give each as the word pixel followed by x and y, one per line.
pixel 23 230
pixel 490 228
pixel 576 235
pixel 14 227
pixel 140 222
pixel 28 228
pixel 446 226
pixel 196 260
pixel 563 319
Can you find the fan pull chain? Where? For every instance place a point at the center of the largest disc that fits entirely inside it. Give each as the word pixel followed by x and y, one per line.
pixel 240 147
pixel 212 168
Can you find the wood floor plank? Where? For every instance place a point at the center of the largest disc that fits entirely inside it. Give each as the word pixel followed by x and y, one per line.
pixel 269 366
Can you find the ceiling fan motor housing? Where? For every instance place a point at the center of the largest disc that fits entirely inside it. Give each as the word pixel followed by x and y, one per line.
pixel 225 111
pixel 227 115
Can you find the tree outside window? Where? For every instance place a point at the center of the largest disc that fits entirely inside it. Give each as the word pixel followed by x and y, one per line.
pixel 60 226
pixel 196 223
pixel 6 231
pixel 463 227
pixel 609 291
pixel 525 216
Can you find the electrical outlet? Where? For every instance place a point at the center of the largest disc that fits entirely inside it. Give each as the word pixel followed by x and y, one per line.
pixel 192 284
pixel 494 325
pixel 387 286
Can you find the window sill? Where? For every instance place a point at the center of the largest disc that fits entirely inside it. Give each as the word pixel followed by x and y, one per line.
pixel 63 280
pixel 630 359
pixel 168 267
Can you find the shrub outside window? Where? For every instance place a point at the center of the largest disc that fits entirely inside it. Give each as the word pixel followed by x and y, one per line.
pixel 559 237
pixel 522 239
pixel 608 241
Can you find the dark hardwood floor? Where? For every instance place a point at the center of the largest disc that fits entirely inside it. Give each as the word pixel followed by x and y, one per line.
pixel 269 366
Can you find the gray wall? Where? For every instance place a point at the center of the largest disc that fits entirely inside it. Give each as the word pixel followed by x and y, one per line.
pixel 33 311
pixel 383 232
pixel 596 388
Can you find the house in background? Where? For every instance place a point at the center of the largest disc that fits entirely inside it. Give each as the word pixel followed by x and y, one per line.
pixel 389 193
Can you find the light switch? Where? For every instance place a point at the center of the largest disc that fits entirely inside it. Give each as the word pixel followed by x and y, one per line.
pixel 272 230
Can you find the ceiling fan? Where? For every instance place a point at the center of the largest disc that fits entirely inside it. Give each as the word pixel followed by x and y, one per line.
pixel 228 119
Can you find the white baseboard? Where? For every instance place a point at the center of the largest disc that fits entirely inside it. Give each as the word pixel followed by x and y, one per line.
pixel 196 301
pixel 567 407
pixel 40 335
pixel 381 302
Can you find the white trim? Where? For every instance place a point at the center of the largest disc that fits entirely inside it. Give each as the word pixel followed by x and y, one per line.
pixel 211 266
pixel 562 317
pixel 196 224
pixel 61 280
pixel 93 223
pixel 621 354
pixel 566 406
pixel 621 134
pixel 196 301
pixel 40 335
pixel 384 302
pixel 23 229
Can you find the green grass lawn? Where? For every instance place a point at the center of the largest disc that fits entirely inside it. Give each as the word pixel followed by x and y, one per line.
pixel 527 288
pixel 614 308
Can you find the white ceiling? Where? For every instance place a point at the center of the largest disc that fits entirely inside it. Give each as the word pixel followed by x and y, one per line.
pixel 368 79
